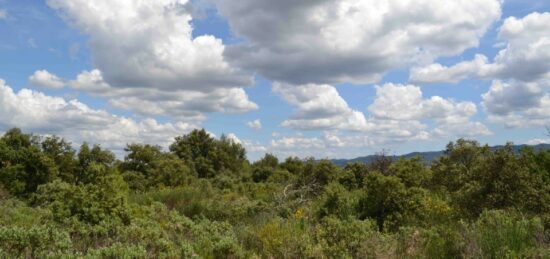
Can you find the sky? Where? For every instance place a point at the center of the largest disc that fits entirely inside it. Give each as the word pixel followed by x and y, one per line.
pixel 324 78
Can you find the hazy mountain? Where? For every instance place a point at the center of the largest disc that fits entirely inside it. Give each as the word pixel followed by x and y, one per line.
pixel 428 156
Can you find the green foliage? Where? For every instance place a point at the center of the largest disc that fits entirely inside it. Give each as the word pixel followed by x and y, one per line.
pixel 388 201
pixel 346 238
pixel 63 155
pixel 23 166
pixel 498 234
pixel 146 167
pixel 354 175
pixel 269 160
pixel 208 156
pixel 34 242
pixel 479 179
pixel 318 173
pixel 284 238
pixel 91 203
pixel 336 201
pixel 203 199
pixel 264 168
pixel 411 172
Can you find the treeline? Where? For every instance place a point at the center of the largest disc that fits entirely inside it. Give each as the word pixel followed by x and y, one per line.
pixel 204 199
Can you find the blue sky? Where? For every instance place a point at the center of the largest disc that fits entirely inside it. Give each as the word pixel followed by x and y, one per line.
pixel 320 83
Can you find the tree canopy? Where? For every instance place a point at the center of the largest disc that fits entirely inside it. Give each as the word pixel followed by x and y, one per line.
pixel 202 198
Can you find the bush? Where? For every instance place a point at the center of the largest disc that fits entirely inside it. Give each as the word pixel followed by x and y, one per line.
pixel 34 242
pixel 91 203
pixel 499 234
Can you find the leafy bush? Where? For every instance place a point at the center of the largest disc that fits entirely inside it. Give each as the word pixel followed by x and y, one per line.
pixel 203 199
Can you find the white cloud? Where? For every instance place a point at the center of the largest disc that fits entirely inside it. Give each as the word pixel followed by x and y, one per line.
pixel 43 114
pixel 184 105
pixel 319 107
pixel 147 60
pixel 404 104
pixel 233 137
pixel 519 97
pixel 330 144
pixel 299 146
pixel 255 124
pixel 517 104
pixel 150 44
pixel 437 73
pixel 3 14
pixel 43 78
pixel 336 41
pixel 524 58
pixel 398 112
pixel 538 141
pixel 254 146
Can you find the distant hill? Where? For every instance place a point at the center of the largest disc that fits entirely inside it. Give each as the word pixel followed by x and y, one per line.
pixel 428 157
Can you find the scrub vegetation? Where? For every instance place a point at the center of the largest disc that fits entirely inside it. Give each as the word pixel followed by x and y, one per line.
pixel 202 198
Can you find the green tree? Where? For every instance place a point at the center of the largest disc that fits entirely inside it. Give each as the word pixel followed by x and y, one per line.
pixel 336 201
pixel 91 203
pixel 63 155
pixel 319 173
pixel 146 166
pixel 269 160
pixel 264 168
pixel 388 201
pixel 93 163
pixel 353 175
pixel 412 172
pixel 23 166
pixel 451 171
pixel 208 156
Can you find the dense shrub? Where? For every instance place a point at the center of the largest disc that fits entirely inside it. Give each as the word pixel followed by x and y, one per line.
pixel 203 199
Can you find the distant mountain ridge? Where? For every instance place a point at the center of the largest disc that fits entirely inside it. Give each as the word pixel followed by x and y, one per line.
pixel 428 156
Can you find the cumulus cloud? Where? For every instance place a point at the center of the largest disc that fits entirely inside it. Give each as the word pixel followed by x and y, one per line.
pixel 335 41
pixel 40 113
pixel 398 114
pixel 538 141
pixel 330 144
pixel 254 146
pixel 404 107
pixel 184 105
pixel 524 58
pixel 405 102
pixel 43 78
pixel 255 124
pixel 318 107
pixel 517 104
pixel 146 60
pixel 233 137
pixel 520 98
pixel 437 73
pixel 150 44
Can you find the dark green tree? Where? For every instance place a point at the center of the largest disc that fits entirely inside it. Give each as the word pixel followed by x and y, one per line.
pixel 412 172
pixel 64 156
pixel 388 201
pixel 146 166
pixel 353 175
pixel 208 156
pixel 23 166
